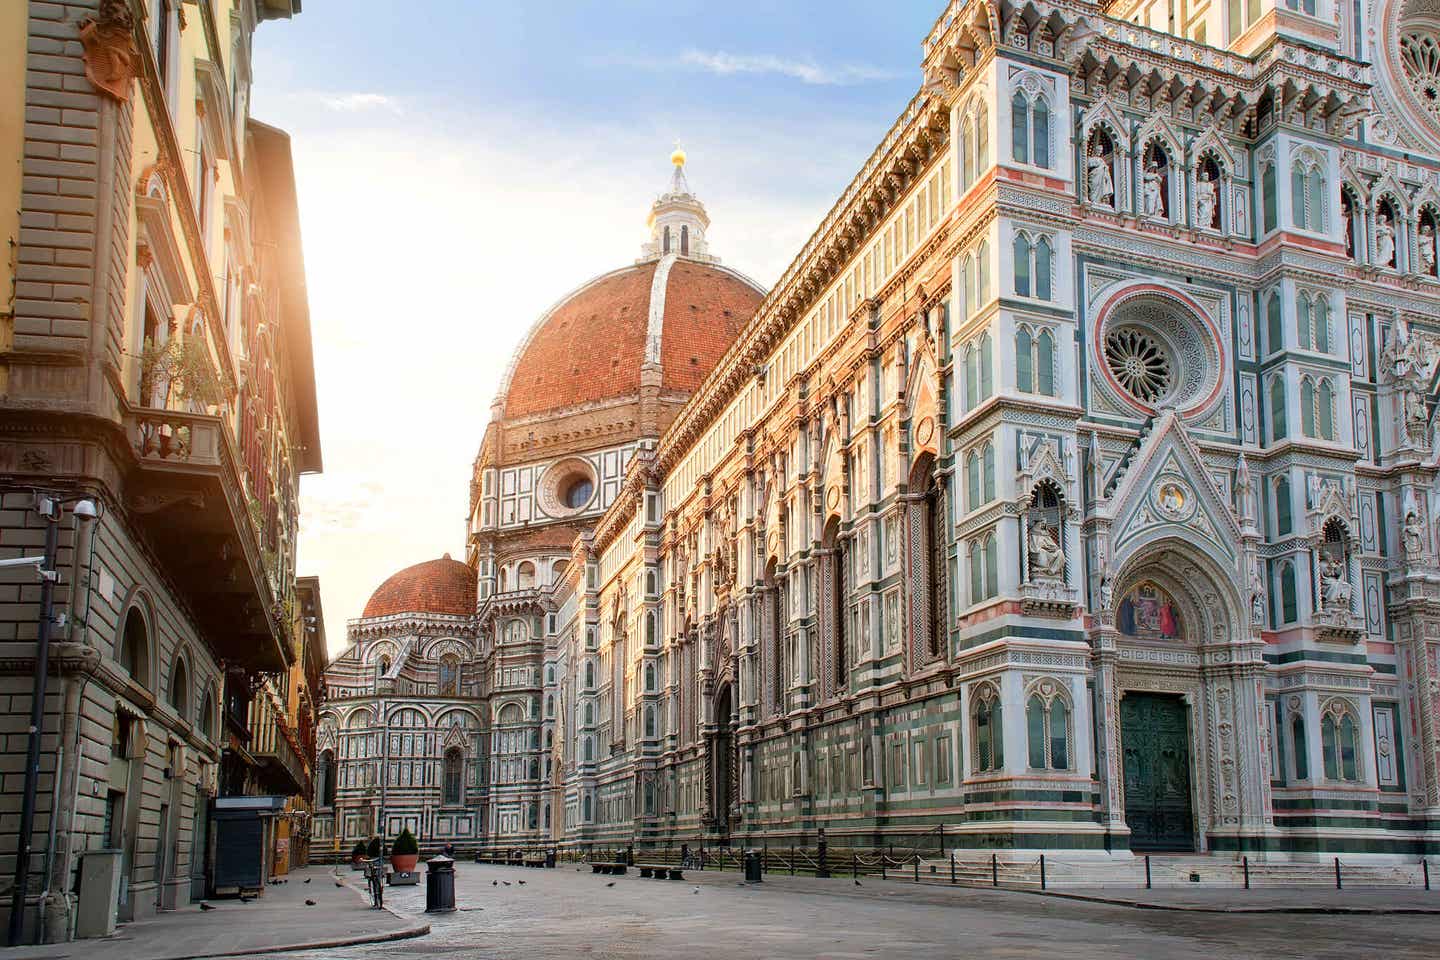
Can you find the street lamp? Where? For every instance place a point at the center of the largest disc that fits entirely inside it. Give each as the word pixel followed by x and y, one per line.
pixel 49 507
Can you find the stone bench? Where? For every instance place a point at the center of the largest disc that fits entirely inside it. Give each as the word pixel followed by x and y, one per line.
pixel 659 871
pixel 607 866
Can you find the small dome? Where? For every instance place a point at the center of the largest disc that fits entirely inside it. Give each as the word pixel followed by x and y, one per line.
pixel 435 586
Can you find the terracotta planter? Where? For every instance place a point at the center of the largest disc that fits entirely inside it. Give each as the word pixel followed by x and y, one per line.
pixel 404 862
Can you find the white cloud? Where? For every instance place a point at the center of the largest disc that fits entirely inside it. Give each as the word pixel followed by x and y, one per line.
pixel 806 71
pixel 358 102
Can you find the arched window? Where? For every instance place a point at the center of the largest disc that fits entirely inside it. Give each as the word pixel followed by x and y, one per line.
pixel 135 648
pixel 449 676
pixel 972 294
pixel 1283 508
pixel 1047 722
pixel 1045 363
pixel 982 273
pixel 1288 613
pixel 1042 268
pixel 589 713
pixel 382 666
pixel 1022 265
pixel 1299 747
pixel 1269 202
pixel 1024 361
pixel 650 731
pixel 987 361
pixel 1277 407
pixel 525 576
pixel 684 240
pixel 1303 327
pixel 205 721
pixel 1274 327
pixel 972 378
pixel 967 154
pixel 665 243
pixel 1307 406
pixel 180 690
pixel 972 480
pixel 986 730
pixel 1307 194
pixel 987 455
pixel 454 777
pixel 984 570
pixel 1325 410
pixel 325 778
pixel 1320 312
pixel 649 677
pixel 590 674
pixel 929 560
pixel 1339 742
pixel 1030 129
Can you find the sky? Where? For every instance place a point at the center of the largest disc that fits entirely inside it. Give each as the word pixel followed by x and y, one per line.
pixel 463 165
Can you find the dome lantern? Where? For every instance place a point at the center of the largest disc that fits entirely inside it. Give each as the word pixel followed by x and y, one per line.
pixel 678 220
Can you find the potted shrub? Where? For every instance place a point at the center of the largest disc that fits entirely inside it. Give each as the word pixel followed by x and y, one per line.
pixel 357 854
pixel 404 852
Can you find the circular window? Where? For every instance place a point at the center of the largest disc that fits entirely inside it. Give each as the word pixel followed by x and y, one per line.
pixel 567 487
pixel 1140 362
pixel 578 492
pixel 1420 56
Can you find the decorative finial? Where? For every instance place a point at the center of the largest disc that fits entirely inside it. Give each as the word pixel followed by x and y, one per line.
pixel 678 156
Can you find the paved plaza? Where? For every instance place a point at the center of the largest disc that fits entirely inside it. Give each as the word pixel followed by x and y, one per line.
pixel 565 913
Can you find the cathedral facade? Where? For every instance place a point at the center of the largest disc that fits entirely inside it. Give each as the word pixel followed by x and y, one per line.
pixel 1074 487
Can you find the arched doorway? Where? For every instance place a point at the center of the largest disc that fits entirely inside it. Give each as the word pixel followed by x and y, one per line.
pixel 724 757
pixel 1184 750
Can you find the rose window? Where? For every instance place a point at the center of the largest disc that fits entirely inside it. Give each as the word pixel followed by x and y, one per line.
pixel 1420 58
pixel 1140 363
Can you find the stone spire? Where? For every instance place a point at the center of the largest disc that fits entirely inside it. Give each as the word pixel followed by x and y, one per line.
pixel 678 220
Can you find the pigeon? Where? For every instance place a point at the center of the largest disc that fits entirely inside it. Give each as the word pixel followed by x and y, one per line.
pixel 308 879
pixel 522 883
pixel 610 884
pixel 494 883
pixel 205 906
pixel 506 882
pixel 309 903
pixel 859 884
pixel 697 890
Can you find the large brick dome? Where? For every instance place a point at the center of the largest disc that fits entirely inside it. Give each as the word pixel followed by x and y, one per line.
pixel 676 313
pixel 435 586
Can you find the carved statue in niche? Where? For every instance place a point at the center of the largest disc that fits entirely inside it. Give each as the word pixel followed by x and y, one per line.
pixel 1412 534
pixel 1334 584
pixel 1206 200
pixel 1154 180
pixel 1047 560
pixel 1257 597
pixel 1099 181
pixel 1427 248
pixel 1384 241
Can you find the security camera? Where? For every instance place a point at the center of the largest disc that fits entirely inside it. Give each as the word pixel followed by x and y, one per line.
pixel 86 510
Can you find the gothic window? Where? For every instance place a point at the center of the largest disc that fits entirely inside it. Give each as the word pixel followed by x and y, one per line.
pixel 1034 361
pixel 1032 264
pixel 1269 200
pixel 980 475
pixel 1283 508
pixel 665 241
pixel 325 778
pixel 1277 407
pixel 525 576
pixel 1047 723
pixel 454 777
pixel 684 240
pixel 1288 611
pixel 1317 408
pixel 1339 742
pixel 1030 129
pixel 972 377
pixel 1307 193
pixel 1312 322
pixel 929 557
pixel 1242 14
pixel 449 676
pixel 650 732
pixel 1302 6
pixel 984 568
pixel 967 276
pixel 985 730
pixel 974 146
pixel 1299 747
pixel 382 667
pixel 982 275
pixel 1274 326
pixel 589 674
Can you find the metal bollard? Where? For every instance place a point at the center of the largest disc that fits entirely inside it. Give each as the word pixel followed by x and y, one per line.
pixel 1245 865
pixel 1042 871
pixel 952 866
pixel 792 860
pixel 1338 884
pixel 1147 871
pixel 917 868
pixel 854 866
pixel 1425 869
pixel 994 870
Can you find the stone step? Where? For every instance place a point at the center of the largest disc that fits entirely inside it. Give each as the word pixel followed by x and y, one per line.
pixel 1168 871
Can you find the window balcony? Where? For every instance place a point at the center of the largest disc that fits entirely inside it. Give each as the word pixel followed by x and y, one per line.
pixel 188 495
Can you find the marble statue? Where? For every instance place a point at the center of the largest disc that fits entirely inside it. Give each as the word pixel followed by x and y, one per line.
pixel 1427 249
pixel 1153 192
pixel 1384 242
pixel 1046 558
pixel 1206 200
pixel 1100 183
pixel 1334 584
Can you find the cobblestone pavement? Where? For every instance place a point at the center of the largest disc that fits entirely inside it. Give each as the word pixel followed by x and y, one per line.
pixel 280 918
pixel 565 913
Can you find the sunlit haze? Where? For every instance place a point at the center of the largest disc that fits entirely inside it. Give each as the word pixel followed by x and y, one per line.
pixel 463 166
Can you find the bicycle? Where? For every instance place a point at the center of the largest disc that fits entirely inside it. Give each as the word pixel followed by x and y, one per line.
pixel 375 878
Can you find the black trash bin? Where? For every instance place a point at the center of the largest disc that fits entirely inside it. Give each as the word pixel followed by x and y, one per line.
pixel 440 885
pixel 752 866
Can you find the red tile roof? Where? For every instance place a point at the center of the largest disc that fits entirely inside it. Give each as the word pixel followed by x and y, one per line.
pixel 435 586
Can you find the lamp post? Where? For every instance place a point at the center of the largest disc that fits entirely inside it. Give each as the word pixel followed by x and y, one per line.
pixel 49 508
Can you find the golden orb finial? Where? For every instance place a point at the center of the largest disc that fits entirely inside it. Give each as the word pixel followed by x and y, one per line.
pixel 678 156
